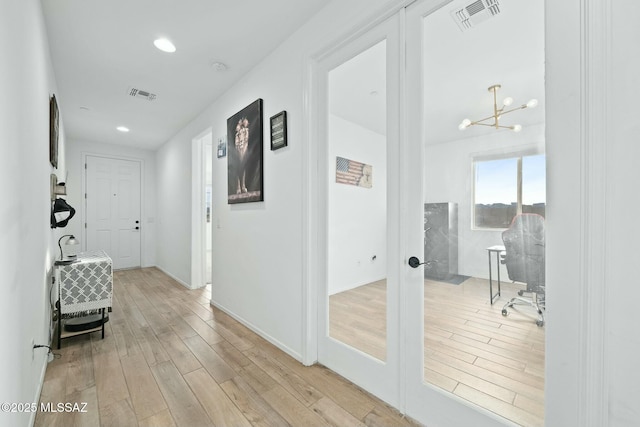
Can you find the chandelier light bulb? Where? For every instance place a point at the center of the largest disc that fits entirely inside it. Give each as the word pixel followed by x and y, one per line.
pixel 465 124
pixel 495 120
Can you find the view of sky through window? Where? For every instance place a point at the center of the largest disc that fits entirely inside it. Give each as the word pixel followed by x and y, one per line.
pixel 496 181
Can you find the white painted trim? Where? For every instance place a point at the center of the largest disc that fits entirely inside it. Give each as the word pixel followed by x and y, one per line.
pixel 32 417
pixel 596 84
pixel 260 332
pixel 310 180
pixel 83 174
pixel 402 134
pixel 196 208
pixel 186 285
pixel 309 218
pixel 381 379
pixel 198 168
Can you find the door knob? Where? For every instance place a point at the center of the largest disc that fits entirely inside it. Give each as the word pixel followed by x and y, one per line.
pixel 137 228
pixel 414 262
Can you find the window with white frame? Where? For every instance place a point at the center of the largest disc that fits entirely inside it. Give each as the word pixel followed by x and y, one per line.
pixel 506 187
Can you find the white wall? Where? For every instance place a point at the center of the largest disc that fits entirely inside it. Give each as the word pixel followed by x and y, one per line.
pixel 357 216
pixel 449 178
pixel 76 152
pixel 257 247
pixel 173 181
pixel 27 244
pixel 259 278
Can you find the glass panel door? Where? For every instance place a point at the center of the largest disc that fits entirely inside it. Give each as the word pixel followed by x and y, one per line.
pixel 476 171
pixel 357 200
pixel 358 164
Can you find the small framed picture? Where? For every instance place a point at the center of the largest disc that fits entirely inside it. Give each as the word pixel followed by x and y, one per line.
pixel 279 130
pixel 222 147
pixel 53 131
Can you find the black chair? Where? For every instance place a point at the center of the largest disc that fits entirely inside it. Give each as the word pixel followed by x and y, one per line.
pixel 524 257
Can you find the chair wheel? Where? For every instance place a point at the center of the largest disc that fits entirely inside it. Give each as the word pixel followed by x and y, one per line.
pixel 504 312
pixel 540 323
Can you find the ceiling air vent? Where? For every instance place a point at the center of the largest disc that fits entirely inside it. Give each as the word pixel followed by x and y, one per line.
pixel 141 94
pixel 474 13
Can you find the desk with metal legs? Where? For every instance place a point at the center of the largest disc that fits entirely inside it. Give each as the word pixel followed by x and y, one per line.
pixel 497 249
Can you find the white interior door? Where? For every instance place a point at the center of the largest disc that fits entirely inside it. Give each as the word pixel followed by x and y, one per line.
pixel 359 260
pixel 449 385
pixel 113 209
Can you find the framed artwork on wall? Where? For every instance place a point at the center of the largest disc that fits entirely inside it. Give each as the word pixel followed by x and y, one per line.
pixel 244 155
pixel 222 147
pixel 279 130
pixel 53 131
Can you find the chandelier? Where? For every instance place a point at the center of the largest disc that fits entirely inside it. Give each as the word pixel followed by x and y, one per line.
pixel 498 113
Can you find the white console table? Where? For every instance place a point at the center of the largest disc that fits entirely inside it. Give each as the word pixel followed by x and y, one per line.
pixel 84 285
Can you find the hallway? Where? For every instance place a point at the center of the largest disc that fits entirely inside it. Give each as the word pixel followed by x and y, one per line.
pixel 171 359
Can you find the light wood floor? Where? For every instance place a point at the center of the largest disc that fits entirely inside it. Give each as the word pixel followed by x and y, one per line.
pixel 358 317
pixel 170 359
pixel 471 350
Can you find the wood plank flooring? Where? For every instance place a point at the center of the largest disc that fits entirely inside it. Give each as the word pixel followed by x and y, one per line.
pixel 170 359
pixel 471 350
pixel 358 317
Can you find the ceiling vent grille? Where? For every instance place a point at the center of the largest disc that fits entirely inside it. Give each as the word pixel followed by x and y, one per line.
pixel 141 94
pixel 474 13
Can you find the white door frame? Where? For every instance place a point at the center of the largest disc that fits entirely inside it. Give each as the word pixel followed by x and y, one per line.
pixel 83 228
pixel 311 215
pixel 424 402
pixel 314 268
pixel 577 79
pixel 198 242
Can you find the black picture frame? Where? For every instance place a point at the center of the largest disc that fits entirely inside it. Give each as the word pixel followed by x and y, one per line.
pixel 278 128
pixel 222 147
pixel 54 118
pixel 245 180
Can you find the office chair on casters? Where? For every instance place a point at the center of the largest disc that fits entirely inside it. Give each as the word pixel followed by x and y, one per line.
pixel 524 257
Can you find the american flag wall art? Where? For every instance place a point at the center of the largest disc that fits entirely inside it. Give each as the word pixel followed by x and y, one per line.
pixel 351 172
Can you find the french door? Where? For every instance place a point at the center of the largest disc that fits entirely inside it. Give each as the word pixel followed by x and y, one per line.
pixel 359 261
pixel 371 198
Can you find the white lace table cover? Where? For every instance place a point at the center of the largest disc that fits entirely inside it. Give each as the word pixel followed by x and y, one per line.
pixel 86 284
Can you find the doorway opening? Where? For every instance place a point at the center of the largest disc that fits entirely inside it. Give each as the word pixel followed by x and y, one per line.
pixel 462 349
pixel 201 212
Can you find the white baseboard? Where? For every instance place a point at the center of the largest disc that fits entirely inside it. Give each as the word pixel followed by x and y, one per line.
pixel 36 399
pixel 296 355
pixel 173 277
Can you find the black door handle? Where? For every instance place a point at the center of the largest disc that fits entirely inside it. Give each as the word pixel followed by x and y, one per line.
pixel 414 262
pixel 137 228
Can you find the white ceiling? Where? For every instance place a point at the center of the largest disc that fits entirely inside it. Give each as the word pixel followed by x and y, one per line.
pixel 100 49
pixel 507 49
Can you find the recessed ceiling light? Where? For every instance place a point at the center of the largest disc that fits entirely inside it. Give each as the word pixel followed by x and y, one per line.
pixel 123 128
pixel 164 45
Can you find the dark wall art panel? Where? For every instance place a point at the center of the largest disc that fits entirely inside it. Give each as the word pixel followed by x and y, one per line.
pixel 244 155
